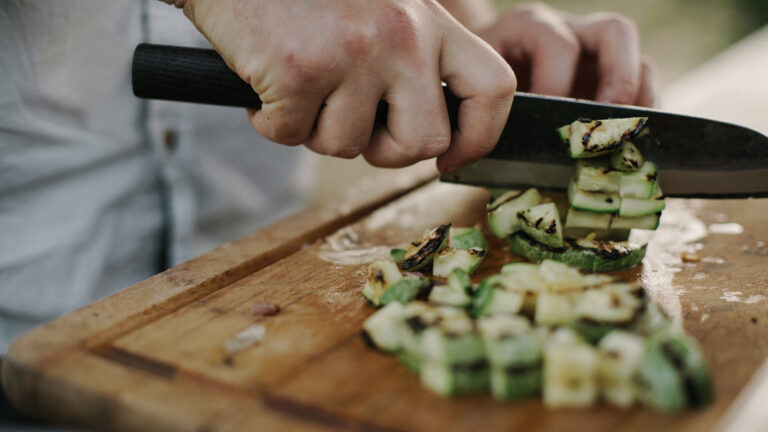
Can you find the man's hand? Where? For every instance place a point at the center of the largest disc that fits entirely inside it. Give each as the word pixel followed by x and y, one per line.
pixel 322 66
pixel 595 56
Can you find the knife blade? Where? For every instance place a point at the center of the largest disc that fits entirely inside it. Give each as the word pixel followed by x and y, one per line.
pixel 697 157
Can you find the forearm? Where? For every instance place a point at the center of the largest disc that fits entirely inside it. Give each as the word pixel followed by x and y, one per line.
pixel 474 14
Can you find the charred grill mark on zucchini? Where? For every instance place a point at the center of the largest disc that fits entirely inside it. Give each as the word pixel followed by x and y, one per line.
pixel 586 137
pixel 521 369
pixel 604 249
pixel 494 204
pixel 533 242
pixel 552 228
pixel 470 367
pixel 426 248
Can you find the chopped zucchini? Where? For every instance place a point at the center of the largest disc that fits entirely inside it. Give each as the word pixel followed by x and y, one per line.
pixel 608 256
pixel 502 211
pixel 406 289
pixel 564 133
pixel 449 259
pixel 570 375
pixel 525 279
pixel 421 253
pixel 620 355
pixel 452 380
pixel 640 184
pixel 587 255
pixel 417 316
pixel 659 384
pixel 515 382
pixel 684 353
pixel 617 303
pixel 634 208
pixel 649 222
pixel 597 202
pixel 542 223
pixel 584 219
pixel 492 297
pixel 397 256
pixel 628 158
pixel 453 341
pixel 589 138
pixel 557 277
pixel 456 292
pixel 510 341
pixel 597 175
pixel 381 275
pixel 467 238
pixel 556 309
pixel 385 327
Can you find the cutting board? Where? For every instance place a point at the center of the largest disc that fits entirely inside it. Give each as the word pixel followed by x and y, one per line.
pixel 155 356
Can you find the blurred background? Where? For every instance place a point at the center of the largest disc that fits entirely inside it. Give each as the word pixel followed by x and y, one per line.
pixel 678 34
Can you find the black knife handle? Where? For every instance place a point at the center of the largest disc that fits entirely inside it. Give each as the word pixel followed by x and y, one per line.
pixel 200 75
pixel 188 75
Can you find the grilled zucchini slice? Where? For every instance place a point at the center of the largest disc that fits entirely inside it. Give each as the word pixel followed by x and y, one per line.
pixel 493 297
pixel 590 138
pixel 640 184
pixel 635 208
pixel 421 253
pixel 583 219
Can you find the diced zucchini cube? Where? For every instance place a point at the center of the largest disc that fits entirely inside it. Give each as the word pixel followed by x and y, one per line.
pixel 620 355
pixel 570 375
pixel 639 184
pixel 597 175
pixel 633 208
pixel 456 292
pixel 406 289
pixel 381 275
pixel 514 382
pixel 557 277
pixel 628 158
pixel 467 238
pixel 385 327
pixel 502 211
pixel 449 259
pixel 556 309
pixel 542 223
pixel 451 380
pixel 492 297
pixel 596 202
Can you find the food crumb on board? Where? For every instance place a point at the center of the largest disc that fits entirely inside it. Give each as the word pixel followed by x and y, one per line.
pixel 754 320
pixel 690 257
pixel 265 309
pixel 250 336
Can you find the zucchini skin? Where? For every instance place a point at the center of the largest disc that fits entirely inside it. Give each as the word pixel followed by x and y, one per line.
pixel 586 259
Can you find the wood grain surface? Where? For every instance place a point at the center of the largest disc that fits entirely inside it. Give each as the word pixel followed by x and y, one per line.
pixel 154 357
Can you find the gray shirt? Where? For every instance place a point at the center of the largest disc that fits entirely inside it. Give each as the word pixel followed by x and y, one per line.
pixel 98 189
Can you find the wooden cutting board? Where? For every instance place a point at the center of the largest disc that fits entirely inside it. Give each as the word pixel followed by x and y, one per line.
pixel 154 357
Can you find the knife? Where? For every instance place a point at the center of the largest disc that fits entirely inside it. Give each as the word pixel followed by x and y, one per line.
pixel 697 157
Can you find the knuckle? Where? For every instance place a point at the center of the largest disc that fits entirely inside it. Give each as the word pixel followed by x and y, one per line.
pixel 304 69
pixel 619 25
pixel 344 151
pixel 431 146
pixel 285 131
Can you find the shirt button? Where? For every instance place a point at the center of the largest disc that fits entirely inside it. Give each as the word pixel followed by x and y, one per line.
pixel 170 140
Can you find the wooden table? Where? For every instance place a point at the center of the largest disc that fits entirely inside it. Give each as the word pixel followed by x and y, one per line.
pixel 155 357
